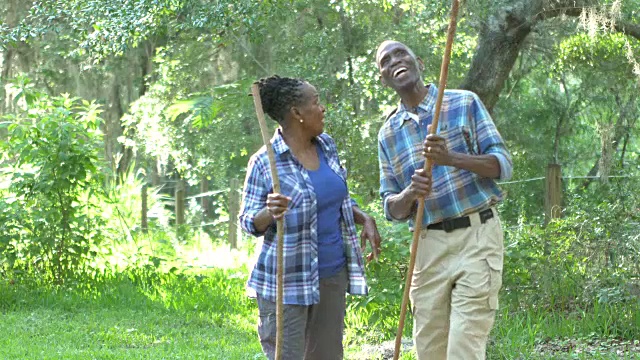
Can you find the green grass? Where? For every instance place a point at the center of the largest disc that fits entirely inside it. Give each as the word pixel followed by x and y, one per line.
pixel 601 332
pixel 207 315
pixel 191 317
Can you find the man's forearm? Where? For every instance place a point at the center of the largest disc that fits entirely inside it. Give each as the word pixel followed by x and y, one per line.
pixel 486 166
pixel 401 206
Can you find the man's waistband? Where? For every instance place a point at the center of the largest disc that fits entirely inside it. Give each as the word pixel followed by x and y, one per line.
pixel 462 222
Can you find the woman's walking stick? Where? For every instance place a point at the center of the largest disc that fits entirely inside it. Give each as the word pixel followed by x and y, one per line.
pixel 280 224
pixel 444 70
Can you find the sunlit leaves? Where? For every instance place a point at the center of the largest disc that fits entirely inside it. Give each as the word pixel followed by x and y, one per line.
pixel 53 149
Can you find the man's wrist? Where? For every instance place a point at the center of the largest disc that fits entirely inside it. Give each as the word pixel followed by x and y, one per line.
pixel 454 159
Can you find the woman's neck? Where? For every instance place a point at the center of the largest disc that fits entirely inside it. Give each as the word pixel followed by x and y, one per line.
pixel 302 148
pixel 297 141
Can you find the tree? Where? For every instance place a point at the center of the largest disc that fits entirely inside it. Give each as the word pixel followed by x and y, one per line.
pixel 503 35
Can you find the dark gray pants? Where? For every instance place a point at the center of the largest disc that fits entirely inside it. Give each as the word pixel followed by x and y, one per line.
pixel 310 332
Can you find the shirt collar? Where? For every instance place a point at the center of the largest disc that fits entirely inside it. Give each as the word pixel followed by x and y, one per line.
pixel 427 105
pixel 280 147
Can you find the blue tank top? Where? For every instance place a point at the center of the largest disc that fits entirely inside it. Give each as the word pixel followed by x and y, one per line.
pixel 330 191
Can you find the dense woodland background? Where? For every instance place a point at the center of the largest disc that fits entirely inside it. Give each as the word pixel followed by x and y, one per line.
pixel 126 130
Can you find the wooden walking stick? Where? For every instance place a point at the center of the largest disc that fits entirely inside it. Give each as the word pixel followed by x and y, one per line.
pixel 444 70
pixel 255 91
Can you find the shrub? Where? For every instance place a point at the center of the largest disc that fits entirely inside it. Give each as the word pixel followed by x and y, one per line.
pixel 52 150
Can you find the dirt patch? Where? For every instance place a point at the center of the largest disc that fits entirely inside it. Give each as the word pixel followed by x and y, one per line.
pixel 382 351
pixel 589 346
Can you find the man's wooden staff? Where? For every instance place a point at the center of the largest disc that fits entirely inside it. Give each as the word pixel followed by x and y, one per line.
pixel 280 223
pixel 444 71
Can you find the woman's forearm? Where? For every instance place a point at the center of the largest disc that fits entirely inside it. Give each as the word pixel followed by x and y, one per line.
pixel 262 220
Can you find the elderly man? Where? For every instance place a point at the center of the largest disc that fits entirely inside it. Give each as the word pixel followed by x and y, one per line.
pixel 458 270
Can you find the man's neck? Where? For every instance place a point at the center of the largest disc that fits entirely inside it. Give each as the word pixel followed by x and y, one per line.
pixel 413 96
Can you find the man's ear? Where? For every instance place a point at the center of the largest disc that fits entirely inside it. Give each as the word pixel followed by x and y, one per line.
pixel 420 63
pixel 384 83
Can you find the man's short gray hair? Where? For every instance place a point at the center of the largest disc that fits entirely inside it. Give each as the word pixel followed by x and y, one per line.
pixel 387 42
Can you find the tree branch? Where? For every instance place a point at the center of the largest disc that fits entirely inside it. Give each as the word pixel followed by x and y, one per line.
pixel 628 29
pixel 502 37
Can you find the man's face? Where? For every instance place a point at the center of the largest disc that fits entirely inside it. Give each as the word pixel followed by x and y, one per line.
pixel 399 68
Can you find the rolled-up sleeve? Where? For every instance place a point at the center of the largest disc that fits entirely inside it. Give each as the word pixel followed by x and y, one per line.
pixel 489 140
pixel 254 195
pixel 388 183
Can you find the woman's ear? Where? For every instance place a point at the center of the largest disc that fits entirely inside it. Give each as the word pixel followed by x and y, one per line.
pixel 420 64
pixel 295 113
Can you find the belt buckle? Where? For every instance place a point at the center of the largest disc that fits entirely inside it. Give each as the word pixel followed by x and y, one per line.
pixel 448 226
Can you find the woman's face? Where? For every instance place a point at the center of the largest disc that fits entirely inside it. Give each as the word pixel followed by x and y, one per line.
pixel 311 111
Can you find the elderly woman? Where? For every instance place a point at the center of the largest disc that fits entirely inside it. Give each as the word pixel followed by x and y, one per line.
pixel 322 259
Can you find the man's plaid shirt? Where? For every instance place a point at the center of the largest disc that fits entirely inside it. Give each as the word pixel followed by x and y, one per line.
pixel 301 279
pixel 468 128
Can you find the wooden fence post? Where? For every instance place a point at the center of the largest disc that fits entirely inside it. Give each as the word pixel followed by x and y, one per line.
pixel 553 193
pixel 234 209
pixel 179 197
pixel 144 225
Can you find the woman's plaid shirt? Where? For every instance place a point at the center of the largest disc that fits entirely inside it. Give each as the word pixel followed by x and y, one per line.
pixel 301 280
pixel 468 128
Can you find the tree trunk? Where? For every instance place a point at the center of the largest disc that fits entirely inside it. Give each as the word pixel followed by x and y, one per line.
pixel 347 38
pixel 144 209
pixel 499 44
pixel 10 20
pixel 117 111
pixel 145 65
pixel 503 35
pixel 624 148
pixel 7 59
pixel 155 173
pixel 622 127
pixel 234 207
pixel 180 201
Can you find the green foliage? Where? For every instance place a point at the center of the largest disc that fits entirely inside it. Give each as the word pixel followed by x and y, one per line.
pixel 589 256
pixel 181 71
pixel 375 316
pixel 46 225
pixel 99 29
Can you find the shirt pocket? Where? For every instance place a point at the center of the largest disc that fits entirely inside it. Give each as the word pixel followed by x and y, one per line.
pixel 289 186
pixel 459 139
pixel 295 216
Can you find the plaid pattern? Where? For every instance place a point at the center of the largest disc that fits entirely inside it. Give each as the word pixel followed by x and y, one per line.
pixel 301 279
pixel 468 128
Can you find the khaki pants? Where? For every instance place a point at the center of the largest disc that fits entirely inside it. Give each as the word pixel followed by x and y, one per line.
pixel 455 287
pixel 310 332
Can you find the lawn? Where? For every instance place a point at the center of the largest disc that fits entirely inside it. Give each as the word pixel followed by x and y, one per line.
pixel 165 317
pixel 206 315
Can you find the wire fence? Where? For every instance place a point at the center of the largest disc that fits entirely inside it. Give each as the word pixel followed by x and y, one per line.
pixel 567 177
pixel 171 185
